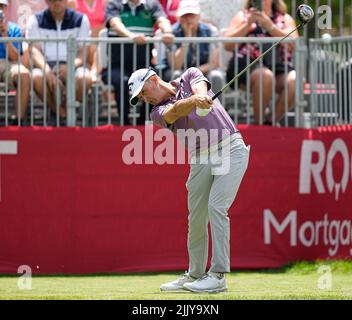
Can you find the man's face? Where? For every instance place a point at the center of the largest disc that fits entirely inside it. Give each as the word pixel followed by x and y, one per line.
pixel 149 93
pixel 3 7
pixel 57 6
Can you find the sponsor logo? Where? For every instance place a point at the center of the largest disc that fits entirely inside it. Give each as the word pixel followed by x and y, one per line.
pixel 331 233
pixel 315 173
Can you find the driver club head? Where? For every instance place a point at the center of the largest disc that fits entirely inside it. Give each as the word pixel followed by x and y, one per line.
pixel 305 13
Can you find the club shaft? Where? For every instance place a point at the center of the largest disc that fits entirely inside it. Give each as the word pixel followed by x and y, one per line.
pixel 255 61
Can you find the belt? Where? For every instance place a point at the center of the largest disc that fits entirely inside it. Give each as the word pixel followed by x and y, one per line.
pixel 223 143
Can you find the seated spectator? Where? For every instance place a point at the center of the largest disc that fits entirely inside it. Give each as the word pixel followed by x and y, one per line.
pixel 95 11
pixel 14 73
pixel 273 21
pixel 134 19
pixel 189 25
pixel 219 12
pixel 54 22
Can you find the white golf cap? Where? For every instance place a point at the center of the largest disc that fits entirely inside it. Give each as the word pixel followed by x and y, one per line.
pixel 136 83
pixel 188 6
pixel 5 2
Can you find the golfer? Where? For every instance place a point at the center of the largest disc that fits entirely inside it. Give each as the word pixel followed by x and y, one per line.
pixel 186 104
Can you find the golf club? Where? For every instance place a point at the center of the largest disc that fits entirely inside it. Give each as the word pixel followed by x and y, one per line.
pixel 304 13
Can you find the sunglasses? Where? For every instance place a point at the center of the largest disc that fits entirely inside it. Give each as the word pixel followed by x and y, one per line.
pixel 147 73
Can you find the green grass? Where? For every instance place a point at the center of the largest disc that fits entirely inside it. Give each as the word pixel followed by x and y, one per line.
pixel 296 281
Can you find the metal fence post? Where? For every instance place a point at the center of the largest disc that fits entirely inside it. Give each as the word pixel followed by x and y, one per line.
pixel 300 103
pixel 70 82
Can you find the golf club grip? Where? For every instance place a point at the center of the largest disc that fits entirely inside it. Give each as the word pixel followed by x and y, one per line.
pixel 255 61
pixel 218 94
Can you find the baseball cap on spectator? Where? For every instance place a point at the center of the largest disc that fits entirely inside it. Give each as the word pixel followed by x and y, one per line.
pixel 137 81
pixel 5 2
pixel 188 6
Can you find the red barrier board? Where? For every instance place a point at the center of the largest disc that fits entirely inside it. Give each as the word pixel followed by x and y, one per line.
pixel 69 203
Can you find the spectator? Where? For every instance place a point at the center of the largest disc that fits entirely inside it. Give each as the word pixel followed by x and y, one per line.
pixel 189 25
pixel 170 7
pixel 219 12
pixel 13 72
pixel 95 11
pixel 273 21
pixel 54 22
pixel 134 19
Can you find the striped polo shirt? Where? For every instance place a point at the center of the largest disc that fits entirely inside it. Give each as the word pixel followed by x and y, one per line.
pixel 43 25
pixel 138 18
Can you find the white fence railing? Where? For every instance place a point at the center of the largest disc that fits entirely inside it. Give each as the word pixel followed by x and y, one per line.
pixel 321 92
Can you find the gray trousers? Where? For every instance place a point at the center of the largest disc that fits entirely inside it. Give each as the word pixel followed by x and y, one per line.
pixel 210 195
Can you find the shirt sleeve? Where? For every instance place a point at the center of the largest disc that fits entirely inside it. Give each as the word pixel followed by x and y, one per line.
pixel 194 75
pixel 84 30
pixel 157 116
pixel 32 30
pixel 14 31
pixel 112 10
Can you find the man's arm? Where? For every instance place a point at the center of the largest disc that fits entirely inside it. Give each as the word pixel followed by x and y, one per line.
pixel 36 51
pixel 164 25
pixel 84 32
pixel 38 58
pixel 35 48
pixel 183 108
pixel 117 25
pixel 114 22
pixel 200 87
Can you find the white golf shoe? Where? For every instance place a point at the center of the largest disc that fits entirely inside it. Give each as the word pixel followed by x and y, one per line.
pixel 177 284
pixel 209 282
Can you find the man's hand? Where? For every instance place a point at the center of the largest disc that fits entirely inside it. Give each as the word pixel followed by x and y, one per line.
pixel 201 101
pixel 62 72
pixel 51 80
pixel 168 38
pixel 139 38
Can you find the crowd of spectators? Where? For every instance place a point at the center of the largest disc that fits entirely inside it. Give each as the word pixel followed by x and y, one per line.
pixel 140 20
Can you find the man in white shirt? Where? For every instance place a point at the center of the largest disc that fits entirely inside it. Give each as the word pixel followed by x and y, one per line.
pixel 57 21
